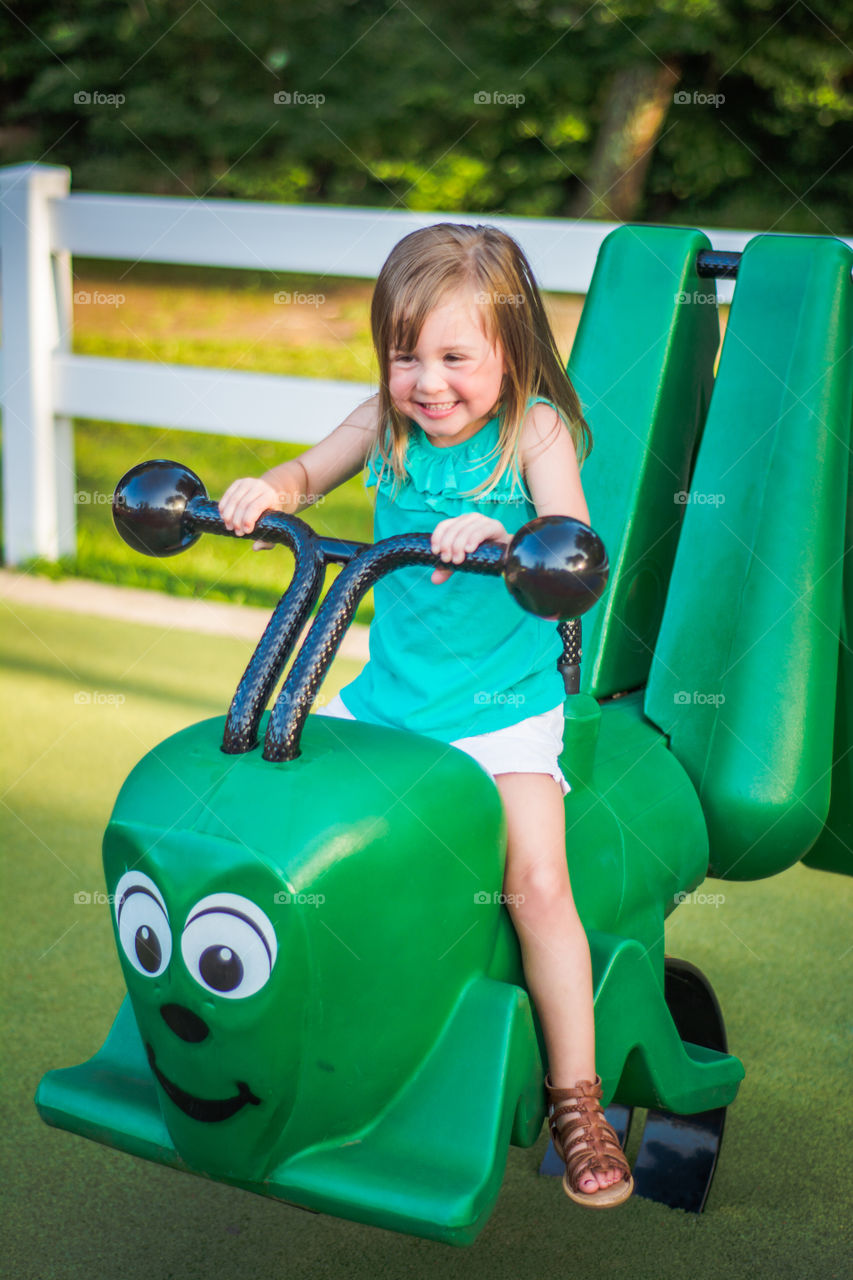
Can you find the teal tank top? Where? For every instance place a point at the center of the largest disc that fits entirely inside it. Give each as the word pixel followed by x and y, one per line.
pixel 461 657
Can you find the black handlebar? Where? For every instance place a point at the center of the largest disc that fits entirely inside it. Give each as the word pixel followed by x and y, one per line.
pixel 555 567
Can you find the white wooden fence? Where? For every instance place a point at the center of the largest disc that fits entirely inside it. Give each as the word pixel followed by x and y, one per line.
pixel 43 386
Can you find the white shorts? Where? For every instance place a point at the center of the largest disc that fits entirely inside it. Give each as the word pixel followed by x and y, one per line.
pixel 533 745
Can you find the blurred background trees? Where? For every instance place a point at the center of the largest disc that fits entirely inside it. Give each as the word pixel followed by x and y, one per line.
pixel 727 112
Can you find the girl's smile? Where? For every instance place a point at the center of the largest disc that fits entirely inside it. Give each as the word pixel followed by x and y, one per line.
pixel 451 383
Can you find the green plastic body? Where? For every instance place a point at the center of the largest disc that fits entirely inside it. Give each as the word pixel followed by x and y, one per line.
pixel 396 1012
pixel 393 1053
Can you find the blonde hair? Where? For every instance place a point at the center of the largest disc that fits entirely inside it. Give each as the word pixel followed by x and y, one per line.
pixel 422 270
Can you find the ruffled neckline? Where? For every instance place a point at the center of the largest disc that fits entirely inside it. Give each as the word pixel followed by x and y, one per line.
pixel 438 474
pixel 454 467
pixel 416 432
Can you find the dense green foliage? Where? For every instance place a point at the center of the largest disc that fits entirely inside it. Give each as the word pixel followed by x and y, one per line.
pixel 403 122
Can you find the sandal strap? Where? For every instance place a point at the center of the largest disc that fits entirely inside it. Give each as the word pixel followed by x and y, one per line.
pixel 586 1142
pixel 583 1089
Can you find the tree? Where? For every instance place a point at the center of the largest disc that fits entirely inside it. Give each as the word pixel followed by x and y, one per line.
pixel 719 111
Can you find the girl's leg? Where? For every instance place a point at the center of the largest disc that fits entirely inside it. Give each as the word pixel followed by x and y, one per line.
pixel 554 948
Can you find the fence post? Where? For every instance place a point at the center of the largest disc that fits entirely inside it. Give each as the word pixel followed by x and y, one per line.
pixel 38 447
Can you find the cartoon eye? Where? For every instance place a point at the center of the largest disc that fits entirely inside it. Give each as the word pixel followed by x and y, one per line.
pixel 143 924
pixel 229 945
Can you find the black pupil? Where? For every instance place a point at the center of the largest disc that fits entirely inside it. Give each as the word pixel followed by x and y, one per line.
pixel 148 951
pixel 221 968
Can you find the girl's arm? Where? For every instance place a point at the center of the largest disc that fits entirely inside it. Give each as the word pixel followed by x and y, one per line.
pixel 549 465
pixel 298 483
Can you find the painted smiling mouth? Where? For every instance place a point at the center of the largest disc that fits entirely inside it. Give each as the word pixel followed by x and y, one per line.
pixel 207 1110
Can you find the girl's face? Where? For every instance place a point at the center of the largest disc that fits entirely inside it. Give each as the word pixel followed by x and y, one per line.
pixel 450 384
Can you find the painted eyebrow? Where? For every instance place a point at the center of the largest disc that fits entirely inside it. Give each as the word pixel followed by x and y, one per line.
pixel 230 911
pixel 138 888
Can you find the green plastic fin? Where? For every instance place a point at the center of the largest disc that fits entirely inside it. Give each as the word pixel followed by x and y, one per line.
pixel 833 850
pixel 640 1056
pixel 433 1164
pixel 112 1098
pixel 642 364
pixel 746 665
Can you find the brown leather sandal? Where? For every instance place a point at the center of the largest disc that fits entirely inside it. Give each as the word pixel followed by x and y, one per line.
pixel 587 1143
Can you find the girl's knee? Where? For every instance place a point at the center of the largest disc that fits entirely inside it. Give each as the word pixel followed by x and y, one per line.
pixel 539 890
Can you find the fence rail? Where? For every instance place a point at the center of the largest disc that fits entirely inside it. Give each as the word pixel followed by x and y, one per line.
pixel 305 238
pixel 43 385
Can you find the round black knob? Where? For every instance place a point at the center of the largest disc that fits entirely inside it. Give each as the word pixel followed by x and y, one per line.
pixel 556 567
pixel 149 505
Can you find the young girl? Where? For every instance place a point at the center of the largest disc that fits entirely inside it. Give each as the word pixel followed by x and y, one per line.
pixel 482 431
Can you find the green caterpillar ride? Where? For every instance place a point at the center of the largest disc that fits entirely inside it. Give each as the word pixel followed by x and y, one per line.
pixel 322 979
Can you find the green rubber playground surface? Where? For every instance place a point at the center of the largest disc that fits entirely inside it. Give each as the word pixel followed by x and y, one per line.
pixel 83 700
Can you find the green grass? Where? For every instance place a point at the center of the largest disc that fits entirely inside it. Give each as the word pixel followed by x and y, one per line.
pixel 777 952
pixel 215 568
pixel 225 318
